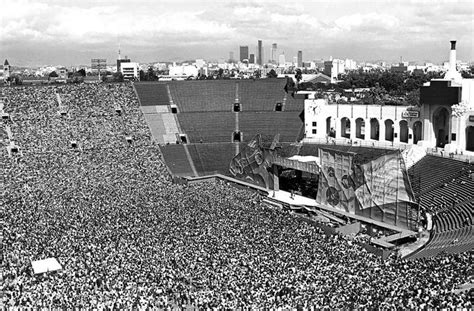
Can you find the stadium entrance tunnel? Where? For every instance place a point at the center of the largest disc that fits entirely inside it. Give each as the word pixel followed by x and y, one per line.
pixel 236 137
pixel 183 139
pixel 441 126
pixel 236 107
pixel 470 138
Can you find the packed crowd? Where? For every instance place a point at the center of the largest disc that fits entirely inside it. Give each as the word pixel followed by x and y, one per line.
pixel 127 237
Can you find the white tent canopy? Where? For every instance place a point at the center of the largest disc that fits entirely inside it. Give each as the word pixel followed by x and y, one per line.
pixel 45 265
pixel 305 159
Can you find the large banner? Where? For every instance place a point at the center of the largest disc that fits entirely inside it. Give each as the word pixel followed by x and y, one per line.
pixel 335 186
pixel 379 189
pixel 252 164
pixel 385 182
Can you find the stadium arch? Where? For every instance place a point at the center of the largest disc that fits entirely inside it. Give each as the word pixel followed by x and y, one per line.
pixel 345 127
pixel 417 132
pixel 441 125
pixel 360 128
pixel 389 130
pixel 374 129
pixel 403 131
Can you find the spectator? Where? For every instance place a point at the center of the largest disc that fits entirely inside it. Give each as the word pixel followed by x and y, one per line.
pixel 127 237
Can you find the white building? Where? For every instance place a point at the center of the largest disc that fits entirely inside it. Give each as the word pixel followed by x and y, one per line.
pixel 350 64
pixel 333 68
pixel 281 60
pixel 130 70
pixel 445 119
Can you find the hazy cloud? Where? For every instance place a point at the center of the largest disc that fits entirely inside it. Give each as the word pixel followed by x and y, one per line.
pixel 166 30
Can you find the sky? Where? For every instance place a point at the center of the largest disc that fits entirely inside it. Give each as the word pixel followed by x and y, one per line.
pixel 71 32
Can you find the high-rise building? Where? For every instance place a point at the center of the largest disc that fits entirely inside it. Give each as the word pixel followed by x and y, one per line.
pixel 244 52
pixel 130 70
pixel 281 60
pixel 274 52
pixel 252 59
pixel 231 56
pixel 260 53
pixel 300 59
pixel 120 61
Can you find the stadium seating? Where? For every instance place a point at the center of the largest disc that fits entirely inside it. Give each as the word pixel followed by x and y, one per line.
pixel 287 124
pixel 176 160
pixel 207 126
pixel 208 159
pixel 448 193
pixel 201 96
pixel 293 103
pixel 261 95
pixel 212 158
pixel 425 178
pixel 453 241
pixel 152 94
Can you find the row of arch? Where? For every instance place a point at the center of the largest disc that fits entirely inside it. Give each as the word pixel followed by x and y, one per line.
pixel 361 133
pixel 441 122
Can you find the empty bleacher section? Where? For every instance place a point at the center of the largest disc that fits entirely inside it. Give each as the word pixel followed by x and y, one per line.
pixel 176 160
pixel 207 126
pixel 446 190
pixel 292 103
pixel 208 159
pixel 152 94
pixel 431 171
pixel 270 123
pixel 457 189
pixel 455 241
pixel 261 95
pixel 212 158
pixel 199 96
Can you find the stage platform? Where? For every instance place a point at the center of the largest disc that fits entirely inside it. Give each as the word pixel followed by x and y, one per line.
pixel 298 200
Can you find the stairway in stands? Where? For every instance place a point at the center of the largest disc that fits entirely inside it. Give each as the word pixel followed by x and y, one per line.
pixel 161 123
pixel 155 105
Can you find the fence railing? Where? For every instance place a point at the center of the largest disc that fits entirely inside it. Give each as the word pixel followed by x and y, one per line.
pixel 464 156
pixel 357 143
pixel 468 157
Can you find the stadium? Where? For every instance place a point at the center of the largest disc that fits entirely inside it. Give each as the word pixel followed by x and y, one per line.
pixel 218 194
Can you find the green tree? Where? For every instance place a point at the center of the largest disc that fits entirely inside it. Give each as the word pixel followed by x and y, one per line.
pixel 272 74
pixel 53 74
pixel 298 75
pixel 117 76
pixel 413 98
pixel 220 73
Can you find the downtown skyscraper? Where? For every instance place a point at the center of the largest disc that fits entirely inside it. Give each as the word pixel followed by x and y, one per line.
pixel 244 53
pixel 260 53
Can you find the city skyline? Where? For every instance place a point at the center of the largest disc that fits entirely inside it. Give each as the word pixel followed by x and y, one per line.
pixel 73 32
